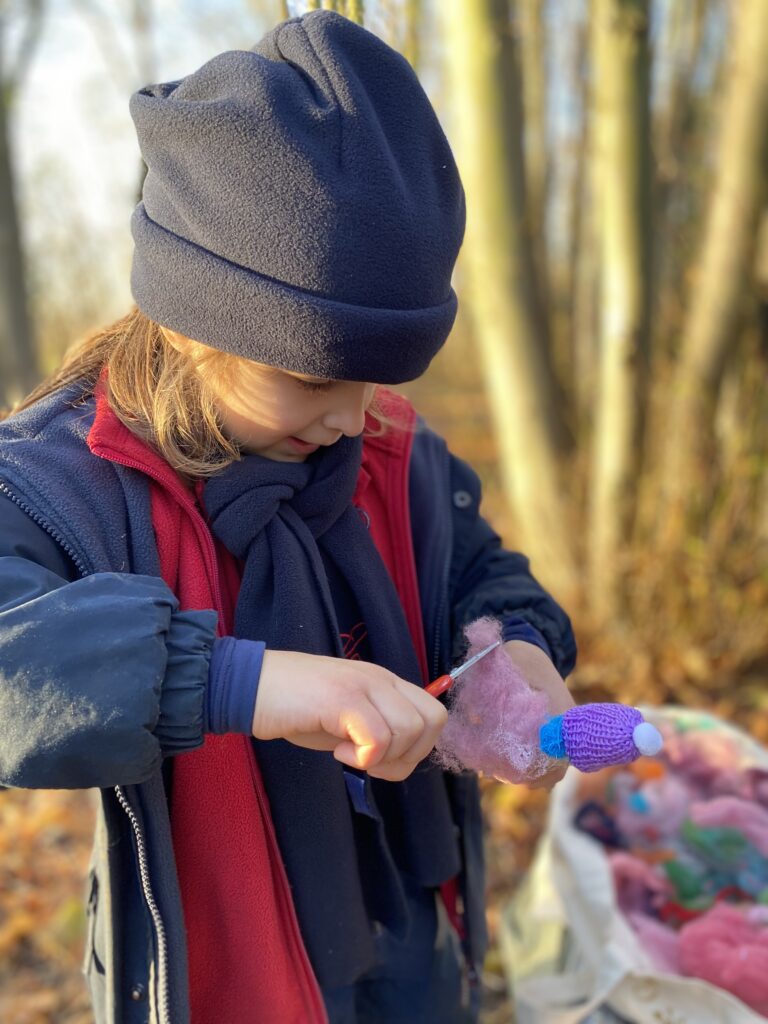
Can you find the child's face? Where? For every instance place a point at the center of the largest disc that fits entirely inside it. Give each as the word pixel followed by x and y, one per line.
pixel 286 416
pixel 280 415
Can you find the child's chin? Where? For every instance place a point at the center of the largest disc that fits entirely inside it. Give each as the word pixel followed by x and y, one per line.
pixel 275 452
pixel 281 456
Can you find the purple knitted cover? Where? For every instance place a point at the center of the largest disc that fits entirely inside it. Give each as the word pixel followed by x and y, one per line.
pixel 597 735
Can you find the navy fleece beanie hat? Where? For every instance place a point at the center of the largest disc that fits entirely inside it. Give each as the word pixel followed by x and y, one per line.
pixel 302 207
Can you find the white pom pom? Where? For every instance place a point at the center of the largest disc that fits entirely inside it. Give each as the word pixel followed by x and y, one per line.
pixel 647 739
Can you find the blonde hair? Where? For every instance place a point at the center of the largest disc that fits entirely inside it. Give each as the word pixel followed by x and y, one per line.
pixel 160 392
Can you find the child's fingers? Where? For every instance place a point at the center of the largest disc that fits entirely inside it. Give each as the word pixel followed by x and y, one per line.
pixel 430 708
pixel 347 753
pixel 413 720
pixel 369 717
pixel 392 771
pixel 550 778
pixel 406 724
pixel 314 740
pixel 368 734
pixel 433 714
pixel 403 756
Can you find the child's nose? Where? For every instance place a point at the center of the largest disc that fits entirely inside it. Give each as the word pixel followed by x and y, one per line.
pixel 348 413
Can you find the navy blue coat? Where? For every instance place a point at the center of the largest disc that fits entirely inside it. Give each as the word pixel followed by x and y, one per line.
pixel 102 677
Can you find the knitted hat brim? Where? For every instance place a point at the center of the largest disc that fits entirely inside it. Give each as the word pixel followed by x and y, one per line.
pixel 175 281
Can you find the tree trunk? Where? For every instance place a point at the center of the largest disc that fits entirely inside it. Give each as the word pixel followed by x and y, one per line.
pixel 18 359
pixel 498 259
pixel 533 53
pixel 582 256
pixel 622 140
pixel 676 132
pixel 679 50
pixel 712 326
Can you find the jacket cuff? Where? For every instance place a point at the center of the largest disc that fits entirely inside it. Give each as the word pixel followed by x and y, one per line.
pixel 561 644
pixel 188 641
pixel 515 627
pixel 233 681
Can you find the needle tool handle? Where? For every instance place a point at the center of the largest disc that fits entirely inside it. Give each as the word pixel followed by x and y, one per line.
pixel 440 685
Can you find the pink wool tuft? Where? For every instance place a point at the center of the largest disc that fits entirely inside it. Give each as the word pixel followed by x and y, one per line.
pixel 636 883
pixel 729 949
pixel 660 942
pixel 494 716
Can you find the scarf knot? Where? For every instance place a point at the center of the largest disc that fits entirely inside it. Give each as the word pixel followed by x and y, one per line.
pixel 249 494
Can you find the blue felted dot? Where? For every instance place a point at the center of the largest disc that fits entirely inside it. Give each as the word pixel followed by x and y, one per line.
pixel 551 738
pixel 639 803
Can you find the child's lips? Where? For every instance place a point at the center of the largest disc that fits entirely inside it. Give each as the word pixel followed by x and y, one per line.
pixel 302 446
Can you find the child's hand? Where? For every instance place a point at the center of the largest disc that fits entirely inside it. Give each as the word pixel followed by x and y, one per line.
pixel 540 674
pixel 368 717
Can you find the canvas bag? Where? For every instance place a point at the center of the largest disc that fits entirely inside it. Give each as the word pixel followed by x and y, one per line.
pixel 570 954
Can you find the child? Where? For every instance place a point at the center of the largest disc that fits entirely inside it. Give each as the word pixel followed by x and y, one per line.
pixel 228 556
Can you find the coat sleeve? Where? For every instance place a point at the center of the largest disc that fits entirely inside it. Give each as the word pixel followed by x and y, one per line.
pixel 487 579
pixel 100 676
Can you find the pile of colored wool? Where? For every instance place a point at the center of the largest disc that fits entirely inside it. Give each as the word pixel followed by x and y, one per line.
pixel 687 839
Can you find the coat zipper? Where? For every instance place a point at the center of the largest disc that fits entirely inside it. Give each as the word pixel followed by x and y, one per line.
pixel 439 619
pixel 163 1000
pixel 35 517
pixel 141 846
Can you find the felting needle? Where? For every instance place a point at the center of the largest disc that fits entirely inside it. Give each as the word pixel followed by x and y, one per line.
pixel 442 684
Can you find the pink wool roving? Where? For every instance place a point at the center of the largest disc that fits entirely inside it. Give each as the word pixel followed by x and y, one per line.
pixel 493 727
pixel 728 948
pixel 660 942
pixel 637 883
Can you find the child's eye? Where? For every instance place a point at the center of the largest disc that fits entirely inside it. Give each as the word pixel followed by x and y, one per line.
pixel 314 385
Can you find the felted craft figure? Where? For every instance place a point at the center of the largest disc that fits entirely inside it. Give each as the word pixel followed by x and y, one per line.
pixel 502 727
pixel 231 560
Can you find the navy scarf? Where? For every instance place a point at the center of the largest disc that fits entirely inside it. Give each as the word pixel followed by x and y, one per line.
pixel 282 519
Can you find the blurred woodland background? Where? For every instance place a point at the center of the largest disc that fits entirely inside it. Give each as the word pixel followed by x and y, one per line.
pixel 606 375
